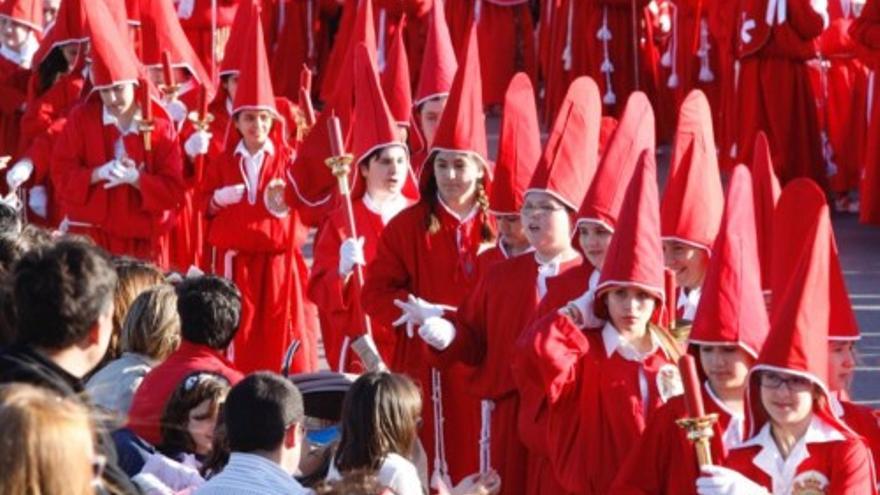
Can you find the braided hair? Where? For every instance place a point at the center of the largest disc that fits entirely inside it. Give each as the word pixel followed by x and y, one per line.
pixel 432 222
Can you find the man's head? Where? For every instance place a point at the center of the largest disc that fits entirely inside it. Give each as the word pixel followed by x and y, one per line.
pixel 209 309
pixel 264 415
pixel 64 300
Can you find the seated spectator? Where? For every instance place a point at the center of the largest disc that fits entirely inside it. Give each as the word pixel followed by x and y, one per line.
pixel 135 276
pixel 190 417
pixel 63 298
pixel 209 309
pixel 151 332
pixel 47 443
pixel 10 220
pixel 264 427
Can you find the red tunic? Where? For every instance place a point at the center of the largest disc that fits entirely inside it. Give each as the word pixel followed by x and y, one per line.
pixel 866 31
pixel 255 249
pixel 594 408
pixel 333 297
pixel 13 96
pixel 197 27
pixel 124 220
pixel 488 324
pixel 571 34
pixel 864 422
pixel 664 462
pixel 775 95
pixel 440 269
pixel 845 464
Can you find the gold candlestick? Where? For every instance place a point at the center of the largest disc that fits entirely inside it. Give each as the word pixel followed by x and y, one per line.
pixel 700 432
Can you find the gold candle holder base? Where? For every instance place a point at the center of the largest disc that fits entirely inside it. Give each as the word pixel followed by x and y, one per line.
pixel 340 167
pixel 700 432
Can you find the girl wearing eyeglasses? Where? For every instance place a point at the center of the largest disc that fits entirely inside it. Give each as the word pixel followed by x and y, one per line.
pixel 794 443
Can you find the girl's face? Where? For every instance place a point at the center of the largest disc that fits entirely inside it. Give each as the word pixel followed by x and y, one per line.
pixel 726 366
pixel 457 175
pixel 231 83
pixel 254 126
pixel 201 423
pixel 386 173
pixel 429 117
pixel 787 398
pixel 630 308
pixel 118 99
pixel 594 240
pixel 841 365
pixel 14 34
pixel 510 230
pixel 547 222
pixel 688 262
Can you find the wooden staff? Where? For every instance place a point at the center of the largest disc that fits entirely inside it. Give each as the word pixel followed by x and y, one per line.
pixel 201 120
pixel 697 424
pixel 340 166
pixel 145 123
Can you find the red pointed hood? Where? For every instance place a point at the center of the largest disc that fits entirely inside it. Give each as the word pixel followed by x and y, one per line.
pixel 570 156
pixel 635 254
pixel 732 309
pixel 27 12
pixel 462 127
pixel 396 81
pixel 843 324
pixel 609 126
pixel 161 32
pixel 439 64
pixel 342 96
pixel 69 27
pixel 693 200
pixel 241 25
pixel 634 135
pixel 798 339
pixel 519 147
pixel 254 90
pixel 113 58
pixel 767 191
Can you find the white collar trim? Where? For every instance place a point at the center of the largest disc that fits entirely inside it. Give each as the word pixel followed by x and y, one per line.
pixel 242 150
pixel 471 214
pixel 614 343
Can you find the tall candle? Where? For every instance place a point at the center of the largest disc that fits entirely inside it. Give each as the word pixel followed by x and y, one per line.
pixel 693 399
pixel 167 72
pixel 306 106
pixel 146 104
pixel 305 79
pixel 671 296
pixel 203 103
pixel 337 148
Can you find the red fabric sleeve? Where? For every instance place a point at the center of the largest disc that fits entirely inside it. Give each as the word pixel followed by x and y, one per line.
pixel 325 285
pixel 805 21
pixel 163 189
pixel 70 174
pixel 852 470
pixel 387 276
pixel 866 29
pixel 556 347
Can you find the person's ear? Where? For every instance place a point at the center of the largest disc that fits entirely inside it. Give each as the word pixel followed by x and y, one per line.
pixel 292 436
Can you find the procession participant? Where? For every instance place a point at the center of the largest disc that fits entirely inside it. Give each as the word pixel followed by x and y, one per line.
pixel 438 69
pixel 766 193
pixel 866 31
pixel 378 195
pixel 602 384
pixel 207 28
pixel 774 94
pixel 728 333
pixel 21 22
pixel 427 262
pixel 693 202
pixel 111 186
pixel 566 47
pixel 397 88
pixel 485 329
pixel 793 440
pixel 519 150
pixel 251 222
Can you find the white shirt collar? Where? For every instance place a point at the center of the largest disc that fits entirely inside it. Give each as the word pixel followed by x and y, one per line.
pixel 471 214
pixel 268 148
pixel 614 343
pixel 389 209
pixel 689 300
pixel 733 434
pixel 108 118
pixel 23 58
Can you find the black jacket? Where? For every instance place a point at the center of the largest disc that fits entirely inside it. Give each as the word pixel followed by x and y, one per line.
pixel 21 364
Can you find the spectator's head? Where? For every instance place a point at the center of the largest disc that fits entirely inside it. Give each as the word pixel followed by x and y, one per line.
pixel 264 415
pixel 380 416
pixel 191 413
pixel 152 326
pixel 10 220
pixel 209 309
pixel 361 482
pixel 64 302
pixel 135 276
pixel 47 443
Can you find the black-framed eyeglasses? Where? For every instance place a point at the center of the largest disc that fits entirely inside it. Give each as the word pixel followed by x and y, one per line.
pixel 794 383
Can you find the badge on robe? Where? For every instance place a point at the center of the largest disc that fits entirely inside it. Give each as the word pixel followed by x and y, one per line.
pixel 810 483
pixel 273 198
pixel 669 382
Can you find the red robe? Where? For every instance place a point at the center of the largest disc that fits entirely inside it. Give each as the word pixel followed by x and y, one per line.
pixel 124 220
pixel 255 249
pixel 841 85
pixel 13 96
pixel 488 324
pixel 845 464
pixel 334 297
pixel 570 37
pixel 197 28
pixel 864 422
pixel 504 35
pixel 723 23
pixel 866 31
pixel 775 95
pixel 593 405
pixel 441 270
pixel 664 462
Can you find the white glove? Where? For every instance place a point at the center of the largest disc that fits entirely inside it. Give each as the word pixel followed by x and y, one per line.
pixel 717 480
pixel 351 253
pixel 581 312
pixel 197 144
pixel 103 172
pixel 38 201
pixel 821 7
pixel 416 310
pixel 478 484
pixel 19 173
pixel 745 32
pixel 228 195
pixel 177 110
pixel 123 172
pixel 437 332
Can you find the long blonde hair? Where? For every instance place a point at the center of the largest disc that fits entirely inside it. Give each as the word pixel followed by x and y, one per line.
pixel 46 443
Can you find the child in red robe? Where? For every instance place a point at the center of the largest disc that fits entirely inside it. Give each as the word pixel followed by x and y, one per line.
pixel 22 25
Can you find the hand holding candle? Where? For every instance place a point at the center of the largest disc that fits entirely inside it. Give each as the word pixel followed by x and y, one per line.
pixel 697 423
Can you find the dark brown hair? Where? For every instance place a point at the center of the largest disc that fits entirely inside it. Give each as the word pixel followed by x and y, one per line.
pixel 429 194
pixel 194 389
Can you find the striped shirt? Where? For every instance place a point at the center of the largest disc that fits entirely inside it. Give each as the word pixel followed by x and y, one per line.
pixel 250 474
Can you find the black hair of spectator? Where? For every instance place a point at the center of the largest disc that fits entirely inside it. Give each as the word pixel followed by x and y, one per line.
pixel 60 291
pixel 50 68
pixel 259 410
pixel 194 389
pixel 209 308
pixel 10 220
